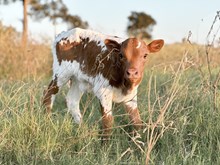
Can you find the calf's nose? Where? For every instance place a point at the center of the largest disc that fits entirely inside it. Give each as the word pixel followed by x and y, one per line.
pixel 132 73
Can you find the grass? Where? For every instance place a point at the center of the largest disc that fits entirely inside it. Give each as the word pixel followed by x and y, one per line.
pixel 29 136
pixel 17 64
pixel 176 102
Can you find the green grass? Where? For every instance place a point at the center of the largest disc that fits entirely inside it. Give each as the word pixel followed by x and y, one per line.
pixel 191 135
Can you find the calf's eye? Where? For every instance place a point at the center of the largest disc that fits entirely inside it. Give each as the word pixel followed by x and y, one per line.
pixel 145 56
pixel 121 55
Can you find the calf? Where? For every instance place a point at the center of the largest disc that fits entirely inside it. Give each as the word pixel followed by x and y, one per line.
pixel 110 67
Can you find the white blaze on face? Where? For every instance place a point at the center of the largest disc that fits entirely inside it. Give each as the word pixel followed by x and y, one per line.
pixel 139 45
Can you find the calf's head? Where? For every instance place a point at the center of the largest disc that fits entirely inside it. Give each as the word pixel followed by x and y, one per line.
pixel 132 56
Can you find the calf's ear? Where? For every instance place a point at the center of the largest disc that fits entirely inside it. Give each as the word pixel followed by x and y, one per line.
pixel 155 46
pixel 112 44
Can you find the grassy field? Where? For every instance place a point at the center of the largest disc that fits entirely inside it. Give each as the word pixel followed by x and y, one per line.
pixel 179 103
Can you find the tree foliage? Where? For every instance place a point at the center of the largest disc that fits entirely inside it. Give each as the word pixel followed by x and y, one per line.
pixel 140 25
pixel 6 2
pixel 40 9
pixel 55 10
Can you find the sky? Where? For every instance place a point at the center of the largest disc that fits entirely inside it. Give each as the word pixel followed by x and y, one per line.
pixel 175 18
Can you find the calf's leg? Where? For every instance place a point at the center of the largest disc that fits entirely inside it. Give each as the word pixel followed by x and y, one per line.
pixel 105 97
pixel 107 123
pixel 73 98
pixel 133 112
pixel 49 94
pixel 134 117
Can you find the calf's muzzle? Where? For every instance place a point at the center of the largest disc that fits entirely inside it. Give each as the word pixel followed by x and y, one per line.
pixel 132 73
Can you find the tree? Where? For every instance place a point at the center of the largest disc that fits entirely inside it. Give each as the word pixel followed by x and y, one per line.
pixel 25 24
pixel 24 21
pixel 140 25
pixel 55 11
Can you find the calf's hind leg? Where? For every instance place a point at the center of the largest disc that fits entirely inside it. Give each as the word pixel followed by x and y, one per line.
pixel 49 94
pixel 73 98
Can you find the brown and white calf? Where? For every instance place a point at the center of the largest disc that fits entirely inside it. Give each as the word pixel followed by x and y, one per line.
pixel 110 67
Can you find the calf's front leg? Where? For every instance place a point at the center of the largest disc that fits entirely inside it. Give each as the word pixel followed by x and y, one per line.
pixel 133 112
pixel 107 123
pixel 105 98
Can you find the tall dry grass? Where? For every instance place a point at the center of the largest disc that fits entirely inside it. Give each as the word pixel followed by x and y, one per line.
pixel 15 63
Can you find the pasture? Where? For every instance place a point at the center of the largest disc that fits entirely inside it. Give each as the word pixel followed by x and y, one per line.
pixel 179 102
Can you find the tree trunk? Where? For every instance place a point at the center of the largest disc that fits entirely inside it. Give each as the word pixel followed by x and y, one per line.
pixel 25 24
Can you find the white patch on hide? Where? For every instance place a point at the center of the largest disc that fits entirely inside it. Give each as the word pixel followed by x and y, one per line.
pixel 132 103
pixel 118 97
